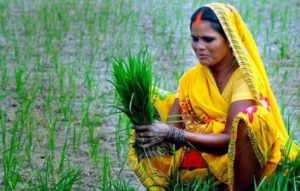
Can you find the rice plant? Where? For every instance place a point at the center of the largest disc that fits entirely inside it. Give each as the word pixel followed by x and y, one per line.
pixel 65 183
pixel 108 183
pixel 132 80
pixel 286 177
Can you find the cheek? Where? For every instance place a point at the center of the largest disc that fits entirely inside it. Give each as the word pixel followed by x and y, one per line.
pixel 219 48
pixel 225 50
pixel 193 46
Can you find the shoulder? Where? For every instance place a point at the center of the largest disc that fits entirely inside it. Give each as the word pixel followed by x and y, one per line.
pixel 237 78
pixel 238 106
pixel 239 88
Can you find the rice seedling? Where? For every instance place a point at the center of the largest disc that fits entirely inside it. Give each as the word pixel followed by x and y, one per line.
pixel 63 155
pixel 67 181
pixel 85 122
pixel 106 172
pixel 108 183
pixel 122 135
pixel 95 146
pixel 205 185
pixel 29 147
pixel 11 147
pixel 122 185
pixel 118 137
pixel 132 80
pixel 4 72
pixel 286 177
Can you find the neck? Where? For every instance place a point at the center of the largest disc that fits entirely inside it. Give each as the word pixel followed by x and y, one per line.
pixel 222 66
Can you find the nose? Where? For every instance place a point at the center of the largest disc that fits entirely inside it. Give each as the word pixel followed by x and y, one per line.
pixel 199 45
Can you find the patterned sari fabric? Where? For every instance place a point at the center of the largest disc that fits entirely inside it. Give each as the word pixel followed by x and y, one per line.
pixel 204 110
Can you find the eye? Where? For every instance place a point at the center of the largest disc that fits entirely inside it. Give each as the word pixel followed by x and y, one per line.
pixel 195 38
pixel 208 39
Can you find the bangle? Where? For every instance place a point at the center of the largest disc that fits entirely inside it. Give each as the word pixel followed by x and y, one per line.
pixel 176 135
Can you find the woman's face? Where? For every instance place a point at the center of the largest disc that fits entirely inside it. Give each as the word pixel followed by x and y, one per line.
pixel 210 46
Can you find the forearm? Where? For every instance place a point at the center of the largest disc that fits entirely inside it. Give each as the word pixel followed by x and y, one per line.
pixel 174 117
pixel 209 143
pixel 215 144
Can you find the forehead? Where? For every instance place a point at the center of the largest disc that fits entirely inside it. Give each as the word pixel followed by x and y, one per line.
pixel 203 28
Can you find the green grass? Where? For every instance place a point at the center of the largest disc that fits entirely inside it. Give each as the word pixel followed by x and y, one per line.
pixel 286 177
pixel 55 60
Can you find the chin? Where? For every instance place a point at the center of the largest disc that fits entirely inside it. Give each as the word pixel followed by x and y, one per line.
pixel 205 63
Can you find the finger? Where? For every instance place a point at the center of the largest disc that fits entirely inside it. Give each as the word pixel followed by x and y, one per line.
pixel 147 145
pixel 142 140
pixel 145 134
pixel 140 128
pixel 143 145
pixel 141 134
pixel 139 140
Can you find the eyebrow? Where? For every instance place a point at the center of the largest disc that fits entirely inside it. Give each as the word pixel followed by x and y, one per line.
pixel 205 36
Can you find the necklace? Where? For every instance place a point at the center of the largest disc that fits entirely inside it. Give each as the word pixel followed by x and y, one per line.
pixel 225 74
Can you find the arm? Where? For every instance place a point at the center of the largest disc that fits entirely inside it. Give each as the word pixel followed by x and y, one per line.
pixel 217 144
pixel 149 135
pixel 174 117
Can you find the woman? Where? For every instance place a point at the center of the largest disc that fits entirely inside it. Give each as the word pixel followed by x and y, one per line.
pixel 231 125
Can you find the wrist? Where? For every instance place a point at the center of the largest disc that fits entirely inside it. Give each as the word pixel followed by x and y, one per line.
pixel 176 135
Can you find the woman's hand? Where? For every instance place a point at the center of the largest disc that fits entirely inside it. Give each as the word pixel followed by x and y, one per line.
pixel 148 135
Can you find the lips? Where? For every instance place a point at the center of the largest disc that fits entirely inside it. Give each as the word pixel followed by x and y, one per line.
pixel 202 56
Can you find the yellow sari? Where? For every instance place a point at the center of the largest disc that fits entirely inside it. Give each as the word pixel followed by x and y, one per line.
pixel 204 110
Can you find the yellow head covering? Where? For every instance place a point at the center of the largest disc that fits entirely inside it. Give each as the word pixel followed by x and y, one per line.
pixel 248 57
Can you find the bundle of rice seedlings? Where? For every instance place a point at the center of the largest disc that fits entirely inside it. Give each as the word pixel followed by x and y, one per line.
pixel 133 81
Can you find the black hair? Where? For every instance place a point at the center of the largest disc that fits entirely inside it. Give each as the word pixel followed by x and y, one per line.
pixel 208 15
